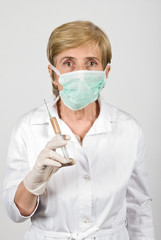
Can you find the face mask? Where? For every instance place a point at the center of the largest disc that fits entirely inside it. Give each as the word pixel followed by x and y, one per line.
pixel 80 87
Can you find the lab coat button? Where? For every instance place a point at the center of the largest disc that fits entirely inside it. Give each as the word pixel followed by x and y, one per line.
pixel 86 178
pixel 86 220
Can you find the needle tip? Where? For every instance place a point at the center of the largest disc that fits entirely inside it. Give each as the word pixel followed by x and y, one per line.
pixel 47 108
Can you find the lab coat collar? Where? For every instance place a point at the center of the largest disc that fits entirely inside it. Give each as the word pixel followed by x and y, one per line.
pixel 103 124
pixel 108 115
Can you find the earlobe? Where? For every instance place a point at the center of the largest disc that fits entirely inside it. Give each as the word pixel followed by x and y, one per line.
pixel 55 85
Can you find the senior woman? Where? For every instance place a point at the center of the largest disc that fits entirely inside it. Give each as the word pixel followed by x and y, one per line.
pixel 103 193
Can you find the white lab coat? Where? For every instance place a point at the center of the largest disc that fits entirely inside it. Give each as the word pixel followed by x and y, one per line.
pixel 104 196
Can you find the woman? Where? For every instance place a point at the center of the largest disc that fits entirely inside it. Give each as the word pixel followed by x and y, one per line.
pixel 103 193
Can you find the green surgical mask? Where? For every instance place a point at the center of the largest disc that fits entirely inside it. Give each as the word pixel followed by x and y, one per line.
pixel 80 87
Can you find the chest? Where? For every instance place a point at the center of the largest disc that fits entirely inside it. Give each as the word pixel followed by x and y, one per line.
pixel 106 155
pixel 80 128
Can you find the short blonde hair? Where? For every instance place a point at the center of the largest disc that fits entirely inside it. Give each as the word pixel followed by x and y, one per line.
pixel 74 34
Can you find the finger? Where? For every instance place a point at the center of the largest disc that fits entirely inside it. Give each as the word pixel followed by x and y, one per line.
pixel 70 163
pixel 56 156
pixel 56 143
pixel 51 162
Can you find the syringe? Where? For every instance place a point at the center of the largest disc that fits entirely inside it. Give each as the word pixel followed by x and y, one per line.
pixel 57 131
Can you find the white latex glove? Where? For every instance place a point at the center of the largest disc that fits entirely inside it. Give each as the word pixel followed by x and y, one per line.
pixel 47 163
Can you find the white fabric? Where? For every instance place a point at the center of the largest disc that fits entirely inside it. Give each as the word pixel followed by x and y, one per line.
pixel 104 196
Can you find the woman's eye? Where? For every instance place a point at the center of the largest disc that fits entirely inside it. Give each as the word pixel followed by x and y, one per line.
pixel 68 64
pixel 91 64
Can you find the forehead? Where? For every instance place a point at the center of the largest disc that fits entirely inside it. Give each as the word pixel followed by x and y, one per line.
pixel 83 51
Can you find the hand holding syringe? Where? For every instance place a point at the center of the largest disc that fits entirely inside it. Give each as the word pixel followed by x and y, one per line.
pixel 57 131
pixel 48 162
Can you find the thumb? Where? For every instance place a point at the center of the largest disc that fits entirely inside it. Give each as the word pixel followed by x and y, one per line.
pixel 66 137
pixel 70 163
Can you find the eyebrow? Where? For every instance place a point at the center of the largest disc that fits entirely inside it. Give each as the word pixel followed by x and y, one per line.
pixel 72 58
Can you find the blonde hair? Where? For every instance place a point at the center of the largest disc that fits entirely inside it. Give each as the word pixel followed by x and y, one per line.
pixel 74 34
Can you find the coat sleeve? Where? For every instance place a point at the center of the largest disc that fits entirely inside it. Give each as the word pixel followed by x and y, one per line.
pixel 16 168
pixel 139 210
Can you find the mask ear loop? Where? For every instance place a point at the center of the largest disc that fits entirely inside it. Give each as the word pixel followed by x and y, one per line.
pixel 108 64
pixel 105 73
pixel 55 70
pixel 56 99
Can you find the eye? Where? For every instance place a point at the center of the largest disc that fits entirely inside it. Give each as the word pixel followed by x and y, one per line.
pixel 92 63
pixel 68 63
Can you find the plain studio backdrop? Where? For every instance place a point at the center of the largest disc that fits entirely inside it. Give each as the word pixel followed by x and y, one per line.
pixel 134 29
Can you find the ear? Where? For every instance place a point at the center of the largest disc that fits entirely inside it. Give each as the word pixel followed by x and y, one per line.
pixel 51 73
pixel 108 68
pixel 50 70
pixel 55 80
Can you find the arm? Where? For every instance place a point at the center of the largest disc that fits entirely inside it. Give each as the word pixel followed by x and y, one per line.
pixel 20 195
pixel 25 200
pixel 17 167
pixel 139 211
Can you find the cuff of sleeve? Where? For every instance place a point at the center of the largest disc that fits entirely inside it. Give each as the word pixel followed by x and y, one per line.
pixel 13 210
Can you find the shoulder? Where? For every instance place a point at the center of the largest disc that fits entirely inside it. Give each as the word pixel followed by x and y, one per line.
pixel 119 116
pixel 22 124
pixel 36 115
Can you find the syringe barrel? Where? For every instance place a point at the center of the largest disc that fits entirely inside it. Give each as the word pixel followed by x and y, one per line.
pixel 55 125
pixel 57 131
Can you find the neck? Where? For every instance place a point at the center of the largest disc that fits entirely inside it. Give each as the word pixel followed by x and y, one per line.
pixel 89 113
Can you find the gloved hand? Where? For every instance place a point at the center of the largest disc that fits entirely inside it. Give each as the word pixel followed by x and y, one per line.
pixel 47 163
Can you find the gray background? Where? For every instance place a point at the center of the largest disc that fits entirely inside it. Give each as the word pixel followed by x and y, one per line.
pixel 134 29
